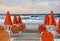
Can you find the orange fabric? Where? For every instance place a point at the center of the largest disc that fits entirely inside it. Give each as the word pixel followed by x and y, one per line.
pixel 59 25
pixel 1 28
pixel 42 28
pixel 52 19
pixel 15 29
pixel 22 27
pixel 19 20
pixel 14 19
pixel 4 36
pixel 47 36
pixel 58 29
pixel 8 20
pixel 46 20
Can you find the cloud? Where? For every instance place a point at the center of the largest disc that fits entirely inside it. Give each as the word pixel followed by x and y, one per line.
pixel 15 9
pixel 29 6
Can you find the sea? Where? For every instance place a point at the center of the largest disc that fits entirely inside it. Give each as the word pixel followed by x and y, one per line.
pixel 31 20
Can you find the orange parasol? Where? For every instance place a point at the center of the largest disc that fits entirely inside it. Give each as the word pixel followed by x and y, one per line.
pixel 14 29
pixel 19 20
pixel 46 20
pixel 8 20
pixel 2 28
pixel 22 27
pixel 52 19
pixel 42 28
pixel 58 30
pixel 47 36
pixel 3 34
pixel 14 19
pixel 59 24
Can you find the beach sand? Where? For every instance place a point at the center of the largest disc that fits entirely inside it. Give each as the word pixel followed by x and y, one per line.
pixel 29 37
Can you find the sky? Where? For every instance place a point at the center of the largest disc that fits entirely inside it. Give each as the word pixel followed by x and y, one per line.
pixel 29 6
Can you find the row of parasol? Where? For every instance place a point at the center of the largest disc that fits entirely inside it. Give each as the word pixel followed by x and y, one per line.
pixel 14 25
pixel 50 21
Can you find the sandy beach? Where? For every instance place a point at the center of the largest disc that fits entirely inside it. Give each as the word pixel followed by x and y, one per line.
pixel 29 37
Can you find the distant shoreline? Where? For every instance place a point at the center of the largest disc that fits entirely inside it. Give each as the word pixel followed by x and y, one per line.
pixel 29 14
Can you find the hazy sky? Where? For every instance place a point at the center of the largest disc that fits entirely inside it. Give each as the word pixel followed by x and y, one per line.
pixel 29 6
